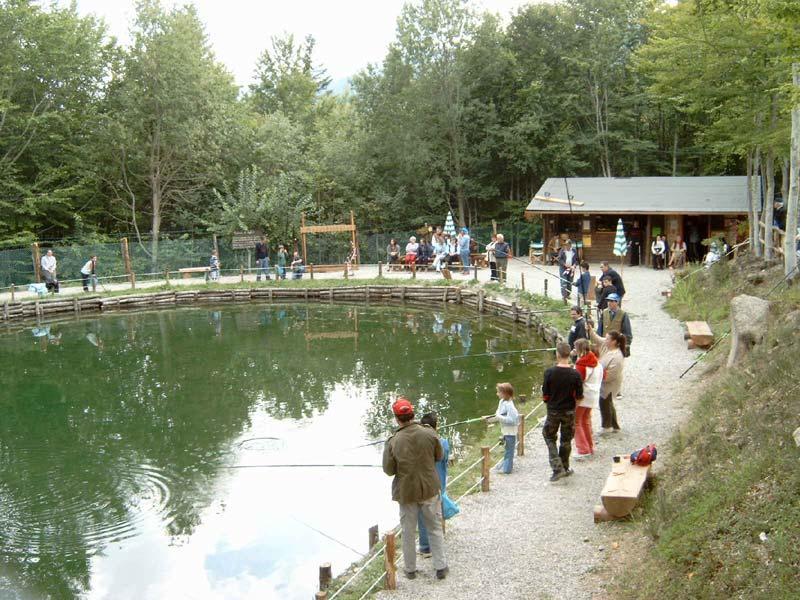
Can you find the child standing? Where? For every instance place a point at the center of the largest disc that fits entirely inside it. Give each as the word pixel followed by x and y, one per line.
pixel 508 417
pixel 432 420
pixel 584 281
pixel 591 372
pixel 214 266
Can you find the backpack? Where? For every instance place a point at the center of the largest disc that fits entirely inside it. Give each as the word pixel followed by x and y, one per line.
pixel 644 456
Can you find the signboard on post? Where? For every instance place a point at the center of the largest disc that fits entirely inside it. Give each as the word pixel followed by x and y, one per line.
pixel 245 240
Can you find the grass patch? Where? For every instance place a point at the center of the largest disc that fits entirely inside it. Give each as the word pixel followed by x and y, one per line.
pixel 724 520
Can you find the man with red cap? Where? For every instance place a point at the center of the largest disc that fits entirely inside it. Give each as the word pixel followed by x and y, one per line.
pixel 410 455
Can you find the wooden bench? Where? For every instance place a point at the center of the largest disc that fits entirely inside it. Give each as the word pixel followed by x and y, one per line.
pixel 186 273
pixel 700 334
pixel 622 490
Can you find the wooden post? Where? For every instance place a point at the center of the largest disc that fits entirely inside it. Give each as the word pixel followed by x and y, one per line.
pixel 481 294
pixel 373 536
pixel 216 246
pixel 522 281
pixel 303 235
pixel 388 561
pixel 486 466
pixel 75 306
pixel 355 239
pixel 475 271
pixel 346 274
pixel 325 576
pixel 515 312
pixel 521 435
pixel 494 227
pixel 13 289
pixel 413 270
pixel 545 288
pixel 37 262
pixel 380 269
pixel 241 274
pixel 126 260
pixel 321 596
pixel 166 276
pixel 5 310
pixel 311 271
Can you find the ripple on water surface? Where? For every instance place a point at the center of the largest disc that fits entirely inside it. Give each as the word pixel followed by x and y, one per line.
pixel 47 499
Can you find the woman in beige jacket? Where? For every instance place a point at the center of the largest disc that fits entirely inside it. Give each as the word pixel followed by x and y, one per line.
pixel 611 351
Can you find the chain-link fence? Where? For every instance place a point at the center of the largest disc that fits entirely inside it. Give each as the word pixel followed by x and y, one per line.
pixel 173 253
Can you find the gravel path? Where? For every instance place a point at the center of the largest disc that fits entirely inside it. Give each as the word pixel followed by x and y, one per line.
pixel 529 538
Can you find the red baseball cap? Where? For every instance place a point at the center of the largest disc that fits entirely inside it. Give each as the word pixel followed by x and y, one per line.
pixel 402 407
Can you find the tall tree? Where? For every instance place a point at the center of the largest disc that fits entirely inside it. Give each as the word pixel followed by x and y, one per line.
pixel 169 118
pixel 54 66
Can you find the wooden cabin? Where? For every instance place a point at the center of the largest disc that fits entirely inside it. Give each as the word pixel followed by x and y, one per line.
pixel 689 207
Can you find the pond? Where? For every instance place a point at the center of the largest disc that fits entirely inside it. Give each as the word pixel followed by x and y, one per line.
pixel 151 455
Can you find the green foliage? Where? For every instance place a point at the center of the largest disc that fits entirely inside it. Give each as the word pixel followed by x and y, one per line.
pixel 733 474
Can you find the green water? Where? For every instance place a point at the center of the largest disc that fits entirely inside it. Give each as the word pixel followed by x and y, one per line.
pixel 130 444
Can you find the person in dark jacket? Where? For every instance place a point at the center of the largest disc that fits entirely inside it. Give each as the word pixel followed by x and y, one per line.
pixel 562 388
pixel 616 280
pixel 410 455
pixel 614 318
pixel 603 292
pixel 262 259
pixel 578 329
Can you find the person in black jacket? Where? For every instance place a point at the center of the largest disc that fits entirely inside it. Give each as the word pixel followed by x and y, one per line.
pixel 578 329
pixel 616 280
pixel 603 292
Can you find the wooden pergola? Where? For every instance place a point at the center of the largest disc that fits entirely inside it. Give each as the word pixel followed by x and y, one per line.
pixel 341 228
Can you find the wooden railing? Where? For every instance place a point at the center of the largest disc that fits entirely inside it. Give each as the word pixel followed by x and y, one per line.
pixel 778 238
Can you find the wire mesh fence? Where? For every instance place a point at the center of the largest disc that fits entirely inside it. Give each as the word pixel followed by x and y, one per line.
pixel 184 251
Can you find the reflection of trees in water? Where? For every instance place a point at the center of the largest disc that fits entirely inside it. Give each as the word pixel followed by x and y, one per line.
pixel 171 391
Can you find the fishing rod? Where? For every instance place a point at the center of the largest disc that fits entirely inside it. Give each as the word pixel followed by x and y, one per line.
pixel 381 441
pixel 302 465
pixel 489 354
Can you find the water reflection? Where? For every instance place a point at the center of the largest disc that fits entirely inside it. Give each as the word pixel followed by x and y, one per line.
pixel 119 433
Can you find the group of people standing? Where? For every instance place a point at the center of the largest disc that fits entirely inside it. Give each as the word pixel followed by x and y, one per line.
pixel 282 261
pixel 49 270
pixel 416 457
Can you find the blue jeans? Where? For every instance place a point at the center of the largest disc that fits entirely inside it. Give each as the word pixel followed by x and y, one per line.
pixel 510 442
pixel 281 272
pixel 263 266
pixel 464 255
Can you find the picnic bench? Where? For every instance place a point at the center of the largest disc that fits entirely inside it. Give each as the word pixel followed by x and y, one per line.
pixel 700 334
pixel 622 490
pixel 187 272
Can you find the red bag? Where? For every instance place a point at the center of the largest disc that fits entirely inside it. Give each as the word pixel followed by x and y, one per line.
pixel 644 456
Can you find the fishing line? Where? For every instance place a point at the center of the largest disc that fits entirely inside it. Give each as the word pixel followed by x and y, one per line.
pixel 252 439
pixel 323 534
pixel 488 354
pixel 302 465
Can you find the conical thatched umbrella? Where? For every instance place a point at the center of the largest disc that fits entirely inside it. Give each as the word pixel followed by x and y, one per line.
pixel 620 244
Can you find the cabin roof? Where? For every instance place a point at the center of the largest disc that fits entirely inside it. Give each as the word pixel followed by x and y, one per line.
pixel 643 195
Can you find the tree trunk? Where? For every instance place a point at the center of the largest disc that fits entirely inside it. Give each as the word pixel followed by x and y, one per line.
pixel 155 228
pixel 675 153
pixel 789 247
pixel 769 202
pixel 754 193
pixel 784 179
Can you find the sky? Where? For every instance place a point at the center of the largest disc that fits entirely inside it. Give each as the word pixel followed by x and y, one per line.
pixel 350 34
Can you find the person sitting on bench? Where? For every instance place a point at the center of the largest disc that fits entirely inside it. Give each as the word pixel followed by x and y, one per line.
pixel 48 263
pixel 393 252
pixel 424 253
pixel 411 251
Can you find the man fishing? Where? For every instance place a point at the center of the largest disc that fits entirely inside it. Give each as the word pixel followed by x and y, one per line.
pixel 410 455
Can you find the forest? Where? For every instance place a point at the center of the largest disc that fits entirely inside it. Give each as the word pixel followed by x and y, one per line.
pixel 468 112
